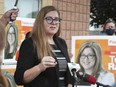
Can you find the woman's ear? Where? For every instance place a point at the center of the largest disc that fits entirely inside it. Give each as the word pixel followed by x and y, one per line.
pixel 3 81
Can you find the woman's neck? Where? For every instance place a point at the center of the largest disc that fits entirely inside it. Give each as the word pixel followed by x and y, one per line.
pixel 50 40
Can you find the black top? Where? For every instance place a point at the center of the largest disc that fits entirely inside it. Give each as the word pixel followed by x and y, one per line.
pixel 28 58
pixel 62 64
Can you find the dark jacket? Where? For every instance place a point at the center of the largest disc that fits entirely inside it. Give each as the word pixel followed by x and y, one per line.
pixel 28 58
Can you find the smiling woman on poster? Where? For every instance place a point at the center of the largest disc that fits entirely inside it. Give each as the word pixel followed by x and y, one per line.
pixel 11 41
pixel 90 60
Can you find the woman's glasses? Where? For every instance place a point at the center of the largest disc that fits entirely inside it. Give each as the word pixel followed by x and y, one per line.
pixel 50 20
pixel 90 56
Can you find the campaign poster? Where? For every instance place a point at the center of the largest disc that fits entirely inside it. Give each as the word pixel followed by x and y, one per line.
pixel 15 34
pixel 108 46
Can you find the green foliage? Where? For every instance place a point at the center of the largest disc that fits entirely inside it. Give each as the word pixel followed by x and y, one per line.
pixel 101 10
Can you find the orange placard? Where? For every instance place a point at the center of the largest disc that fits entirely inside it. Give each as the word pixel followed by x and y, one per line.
pixel 108 46
pixel 15 34
pixel 24 25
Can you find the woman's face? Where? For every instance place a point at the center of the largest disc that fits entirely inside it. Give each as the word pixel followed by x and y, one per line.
pixel 11 36
pixel 51 22
pixel 110 28
pixel 110 25
pixel 87 59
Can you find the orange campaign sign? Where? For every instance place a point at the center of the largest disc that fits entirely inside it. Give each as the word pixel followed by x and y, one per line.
pixel 24 25
pixel 108 47
pixel 15 34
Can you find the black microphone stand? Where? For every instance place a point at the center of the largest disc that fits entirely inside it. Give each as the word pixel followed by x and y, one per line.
pixel 98 85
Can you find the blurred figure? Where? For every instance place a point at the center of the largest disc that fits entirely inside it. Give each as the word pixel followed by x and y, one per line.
pixel 6 80
pixel 28 34
pixel 90 60
pixel 109 27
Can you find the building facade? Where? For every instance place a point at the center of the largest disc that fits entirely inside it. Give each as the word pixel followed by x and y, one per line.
pixel 74 14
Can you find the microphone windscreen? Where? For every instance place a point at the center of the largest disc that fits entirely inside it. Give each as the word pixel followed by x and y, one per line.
pixel 89 78
pixel 86 77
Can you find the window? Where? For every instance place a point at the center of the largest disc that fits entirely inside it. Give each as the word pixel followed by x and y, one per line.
pixel 28 8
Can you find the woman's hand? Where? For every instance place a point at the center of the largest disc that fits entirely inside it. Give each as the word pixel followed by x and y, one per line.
pixel 48 62
pixel 10 14
pixel 33 72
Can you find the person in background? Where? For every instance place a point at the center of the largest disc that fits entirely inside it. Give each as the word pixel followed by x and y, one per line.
pixel 109 28
pixel 44 56
pixel 6 80
pixel 28 34
pixel 90 60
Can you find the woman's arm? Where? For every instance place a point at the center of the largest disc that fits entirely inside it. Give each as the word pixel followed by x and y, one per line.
pixel 33 72
pixel 3 23
pixel 28 66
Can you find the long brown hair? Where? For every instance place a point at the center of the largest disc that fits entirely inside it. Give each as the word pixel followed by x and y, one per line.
pixel 39 35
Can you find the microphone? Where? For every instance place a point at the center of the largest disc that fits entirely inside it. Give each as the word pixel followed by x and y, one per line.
pixel 89 78
pixel 74 74
pixel 73 68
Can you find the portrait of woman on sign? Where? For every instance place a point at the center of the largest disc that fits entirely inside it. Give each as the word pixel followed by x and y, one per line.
pixel 90 59
pixel 11 42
